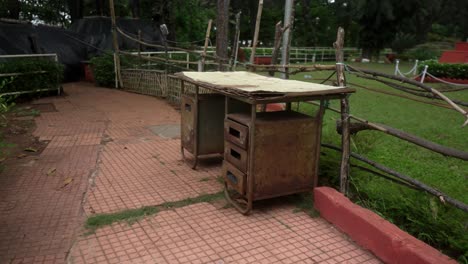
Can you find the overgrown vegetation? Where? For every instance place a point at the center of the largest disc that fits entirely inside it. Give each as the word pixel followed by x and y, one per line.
pixel 36 74
pixel 132 215
pixel 418 213
pixel 103 69
pixel 6 103
pixel 448 70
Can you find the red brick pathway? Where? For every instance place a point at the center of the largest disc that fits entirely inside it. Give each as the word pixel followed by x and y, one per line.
pixel 102 158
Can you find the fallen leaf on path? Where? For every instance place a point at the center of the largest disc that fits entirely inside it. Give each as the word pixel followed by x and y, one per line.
pixel 22 155
pixel 51 171
pixel 67 181
pixel 30 149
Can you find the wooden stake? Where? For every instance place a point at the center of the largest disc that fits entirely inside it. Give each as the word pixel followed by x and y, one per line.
pixel 288 20
pixel 235 44
pixel 116 44
pixel 279 31
pixel 207 40
pixel 345 140
pixel 139 48
pixel 257 29
pixel 222 29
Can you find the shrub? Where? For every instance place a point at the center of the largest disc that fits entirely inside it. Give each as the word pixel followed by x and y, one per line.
pixel 30 81
pixel 5 104
pixel 103 69
pixel 456 71
pixel 428 51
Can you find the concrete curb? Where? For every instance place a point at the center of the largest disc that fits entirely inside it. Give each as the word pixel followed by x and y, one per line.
pixel 385 240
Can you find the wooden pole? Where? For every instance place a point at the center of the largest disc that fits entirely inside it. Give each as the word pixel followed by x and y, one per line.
pixel 222 29
pixel 235 43
pixel 288 20
pixel 139 48
pixel 257 29
pixel 207 40
pixel 276 46
pixel 345 139
pixel 115 43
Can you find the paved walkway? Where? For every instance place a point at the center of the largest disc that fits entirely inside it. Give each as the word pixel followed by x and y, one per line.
pixel 104 157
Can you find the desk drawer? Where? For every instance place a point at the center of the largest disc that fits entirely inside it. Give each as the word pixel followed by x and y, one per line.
pixel 236 133
pixel 235 155
pixel 234 177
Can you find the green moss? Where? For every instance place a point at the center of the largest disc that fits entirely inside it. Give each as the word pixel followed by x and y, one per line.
pixel 132 215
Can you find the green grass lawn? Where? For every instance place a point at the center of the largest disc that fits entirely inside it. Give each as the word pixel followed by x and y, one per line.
pixel 420 214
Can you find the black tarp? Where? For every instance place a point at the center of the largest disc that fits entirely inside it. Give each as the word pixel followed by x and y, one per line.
pixel 18 39
pixel 98 32
pixel 86 38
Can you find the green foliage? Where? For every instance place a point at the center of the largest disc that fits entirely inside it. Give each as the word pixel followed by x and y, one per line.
pixel 31 79
pixel 403 41
pixel 133 215
pixel 448 70
pixel 422 215
pixel 190 18
pixel 5 103
pixel 103 69
pixel 426 51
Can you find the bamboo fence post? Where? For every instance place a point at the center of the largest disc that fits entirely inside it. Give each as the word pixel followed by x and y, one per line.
pixel 288 21
pixel 235 44
pixel 257 29
pixel 205 46
pixel 345 140
pixel 116 46
pixel 139 48
pixel 276 45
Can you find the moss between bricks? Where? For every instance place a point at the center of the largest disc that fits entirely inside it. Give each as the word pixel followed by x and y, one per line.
pixel 303 202
pixel 133 215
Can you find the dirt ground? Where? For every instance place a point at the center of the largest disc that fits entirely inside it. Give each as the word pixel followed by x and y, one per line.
pixel 16 134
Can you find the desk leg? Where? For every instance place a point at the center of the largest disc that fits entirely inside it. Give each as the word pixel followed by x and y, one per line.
pixel 345 146
pixel 318 122
pixel 182 90
pixel 250 174
pixel 195 128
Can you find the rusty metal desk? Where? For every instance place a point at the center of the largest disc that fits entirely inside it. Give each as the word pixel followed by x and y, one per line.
pixel 258 146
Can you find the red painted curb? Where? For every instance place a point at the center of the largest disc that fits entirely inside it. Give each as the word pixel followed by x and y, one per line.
pixel 385 240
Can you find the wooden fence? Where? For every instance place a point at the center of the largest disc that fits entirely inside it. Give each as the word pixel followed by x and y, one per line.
pixel 155 83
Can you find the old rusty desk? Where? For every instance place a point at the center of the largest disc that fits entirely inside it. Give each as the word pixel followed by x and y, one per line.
pixel 265 154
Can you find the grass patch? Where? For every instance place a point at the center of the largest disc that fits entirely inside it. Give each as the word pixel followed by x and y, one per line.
pixel 304 202
pixel 205 179
pixel 220 180
pixel 418 213
pixel 204 198
pixel 132 215
pixel 28 112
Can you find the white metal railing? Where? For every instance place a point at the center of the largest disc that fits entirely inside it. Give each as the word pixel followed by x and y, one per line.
pixel 52 56
pixel 297 54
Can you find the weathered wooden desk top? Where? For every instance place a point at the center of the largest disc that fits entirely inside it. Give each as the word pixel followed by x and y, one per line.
pixel 254 88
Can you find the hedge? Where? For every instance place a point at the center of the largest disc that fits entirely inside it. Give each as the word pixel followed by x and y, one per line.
pixel 29 81
pixel 455 71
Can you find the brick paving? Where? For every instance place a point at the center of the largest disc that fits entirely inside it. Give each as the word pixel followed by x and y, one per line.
pixel 102 158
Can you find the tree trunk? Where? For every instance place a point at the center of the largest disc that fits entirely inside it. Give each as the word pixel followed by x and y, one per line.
pixel 135 6
pixel 222 26
pixel 76 9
